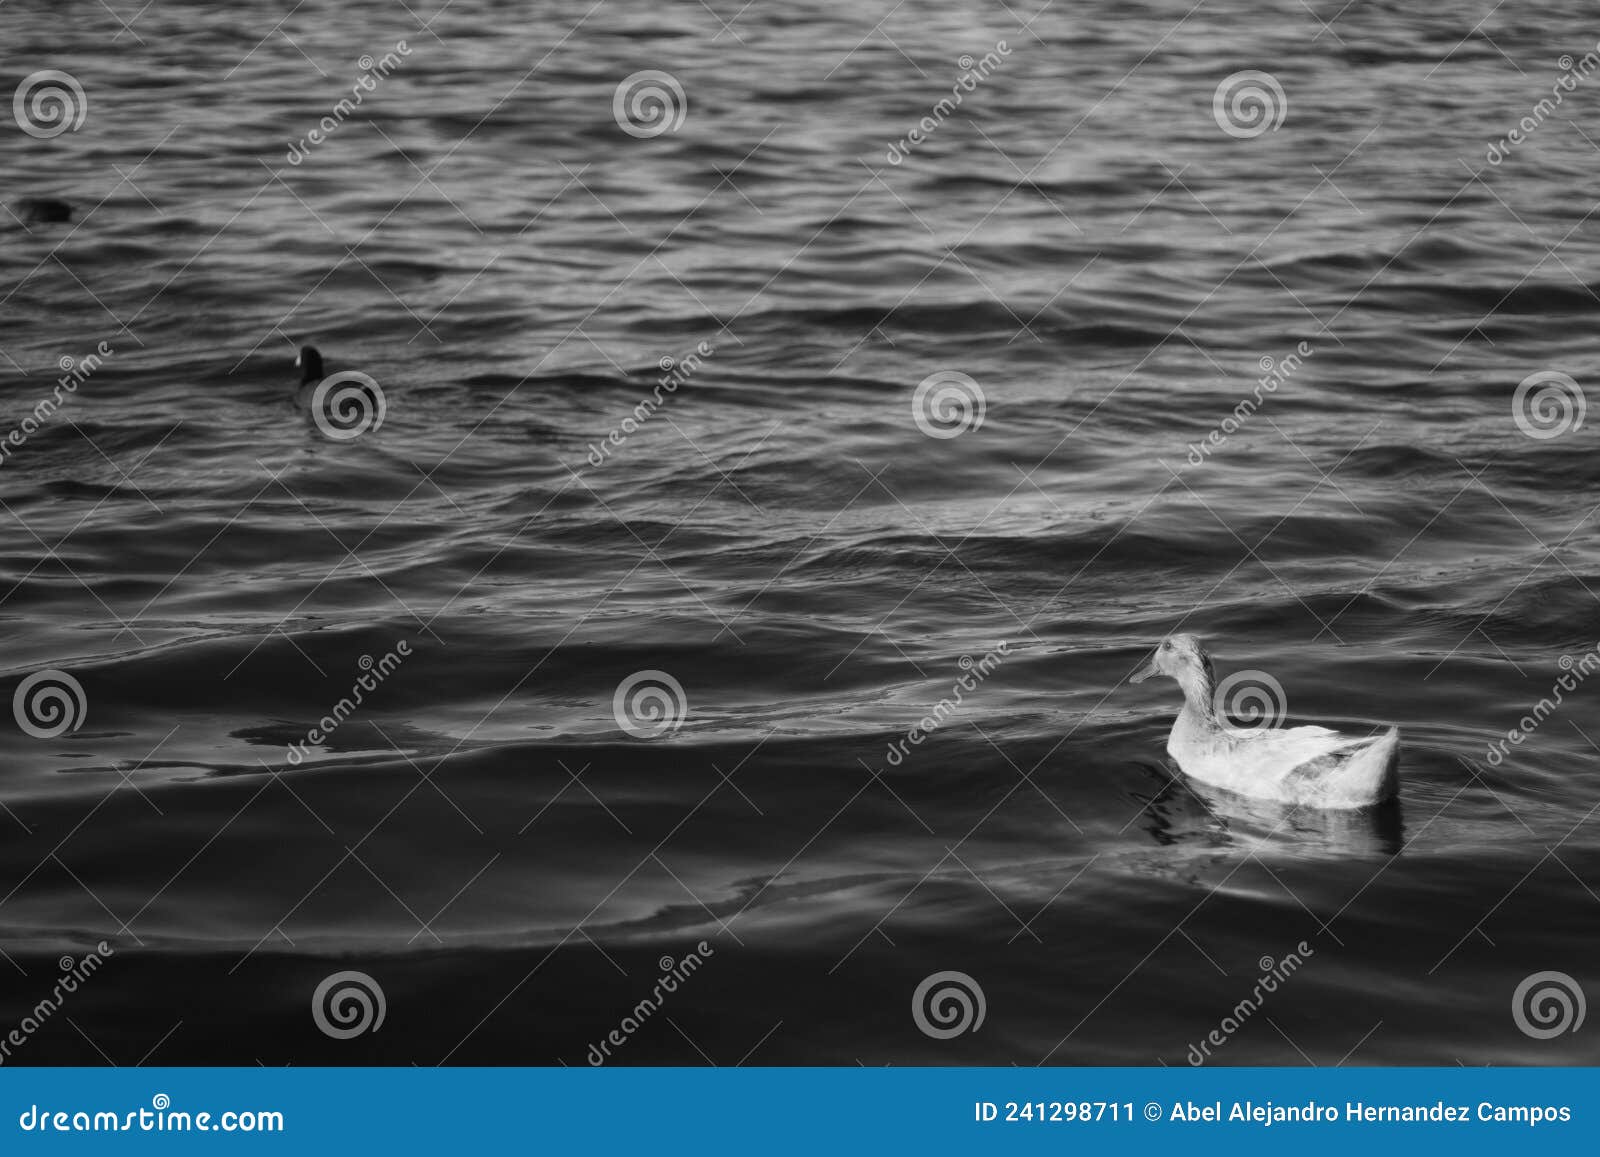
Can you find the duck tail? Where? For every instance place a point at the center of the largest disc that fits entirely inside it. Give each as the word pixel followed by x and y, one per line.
pixel 1389 776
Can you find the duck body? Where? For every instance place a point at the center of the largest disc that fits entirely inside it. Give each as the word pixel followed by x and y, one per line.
pixel 1310 766
pixel 1304 765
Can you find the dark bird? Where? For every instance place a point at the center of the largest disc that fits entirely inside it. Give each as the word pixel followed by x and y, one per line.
pixel 44 210
pixel 309 363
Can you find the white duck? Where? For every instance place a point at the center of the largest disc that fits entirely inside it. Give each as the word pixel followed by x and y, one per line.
pixel 1301 765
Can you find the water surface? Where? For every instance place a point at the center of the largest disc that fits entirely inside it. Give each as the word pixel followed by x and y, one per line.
pixel 1082 240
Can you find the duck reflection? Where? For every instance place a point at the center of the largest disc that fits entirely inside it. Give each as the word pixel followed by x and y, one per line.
pixel 1180 810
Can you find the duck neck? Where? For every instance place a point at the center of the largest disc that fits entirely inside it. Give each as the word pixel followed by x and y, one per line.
pixel 1199 696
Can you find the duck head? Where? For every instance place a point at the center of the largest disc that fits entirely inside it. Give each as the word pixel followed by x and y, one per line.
pixel 1181 657
pixel 309 363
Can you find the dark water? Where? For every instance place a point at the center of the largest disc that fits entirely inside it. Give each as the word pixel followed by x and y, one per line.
pixel 1083 240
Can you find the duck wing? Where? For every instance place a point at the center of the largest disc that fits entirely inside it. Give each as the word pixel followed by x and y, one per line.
pixel 1272 754
pixel 1355 774
pixel 1297 753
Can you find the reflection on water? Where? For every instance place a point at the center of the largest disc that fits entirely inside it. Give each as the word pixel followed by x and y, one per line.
pixel 1184 810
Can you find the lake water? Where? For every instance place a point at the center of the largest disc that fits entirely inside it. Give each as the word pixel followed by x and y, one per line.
pixel 780 547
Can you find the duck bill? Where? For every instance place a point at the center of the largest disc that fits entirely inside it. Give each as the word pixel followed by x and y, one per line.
pixel 1147 671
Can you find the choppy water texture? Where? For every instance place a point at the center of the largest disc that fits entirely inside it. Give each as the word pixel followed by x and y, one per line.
pixel 1082 239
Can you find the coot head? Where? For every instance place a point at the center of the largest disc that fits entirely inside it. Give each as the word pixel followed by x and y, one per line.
pixel 309 364
pixel 45 210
